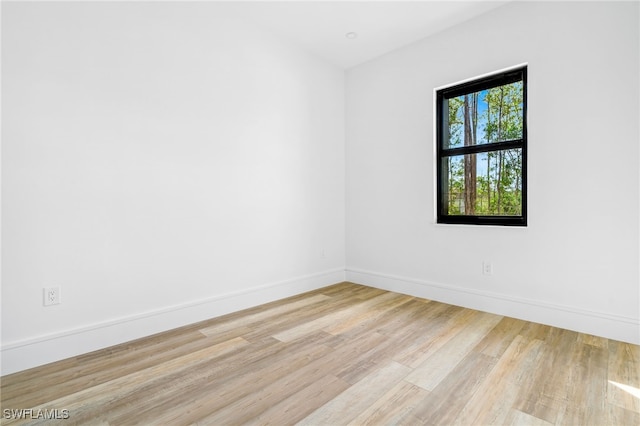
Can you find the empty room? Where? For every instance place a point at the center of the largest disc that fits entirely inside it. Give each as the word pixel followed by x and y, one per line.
pixel 320 213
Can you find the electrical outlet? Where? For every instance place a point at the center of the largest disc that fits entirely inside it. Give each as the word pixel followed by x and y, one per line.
pixel 51 296
pixel 487 268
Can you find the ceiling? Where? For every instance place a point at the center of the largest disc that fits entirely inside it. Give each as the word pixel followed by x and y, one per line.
pixel 381 26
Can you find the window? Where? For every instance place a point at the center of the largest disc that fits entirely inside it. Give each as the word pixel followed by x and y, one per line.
pixel 481 137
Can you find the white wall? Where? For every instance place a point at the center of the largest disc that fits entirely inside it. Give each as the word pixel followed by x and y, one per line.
pixel 167 163
pixel 576 264
pixel 163 163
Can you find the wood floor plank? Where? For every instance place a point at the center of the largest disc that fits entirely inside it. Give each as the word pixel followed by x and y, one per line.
pixel 500 337
pixel 95 361
pixel 623 376
pixel 415 314
pixel 392 407
pixel 590 367
pixel 599 342
pixel 523 419
pixel 286 321
pixel 451 394
pixel 246 397
pixel 533 331
pixel 333 318
pixel 351 289
pixel 385 350
pixel 619 416
pixel 252 319
pixel 369 314
pixel 343 354
pixel 299 405
pixel 493 400
pixel 436 327
pixel 353 401
pixel 80 378
pixel 353 358
pixel 178 389
pixel 544 396
pixel 233 381
pixel 446 326
pixel 436 367
pixel 254 404
pixel 91 399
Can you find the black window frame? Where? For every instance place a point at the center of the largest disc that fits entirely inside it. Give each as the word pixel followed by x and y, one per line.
pixel 476 85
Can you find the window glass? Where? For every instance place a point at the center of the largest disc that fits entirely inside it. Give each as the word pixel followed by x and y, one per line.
pixel 481 147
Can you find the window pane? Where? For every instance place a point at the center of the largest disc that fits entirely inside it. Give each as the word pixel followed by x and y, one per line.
pixel 484 184
pixel 487 116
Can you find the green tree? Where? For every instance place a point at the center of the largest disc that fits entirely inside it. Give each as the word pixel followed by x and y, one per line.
pixel 499 190
pixel 504 121
pixel 470 164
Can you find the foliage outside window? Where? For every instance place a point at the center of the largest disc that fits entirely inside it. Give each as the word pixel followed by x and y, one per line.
pixel 481 137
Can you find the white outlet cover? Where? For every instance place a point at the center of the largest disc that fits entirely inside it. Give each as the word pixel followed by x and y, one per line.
pixel 51 296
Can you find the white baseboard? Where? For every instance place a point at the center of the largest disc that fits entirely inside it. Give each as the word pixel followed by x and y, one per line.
pixel 611 326
pixel 32 352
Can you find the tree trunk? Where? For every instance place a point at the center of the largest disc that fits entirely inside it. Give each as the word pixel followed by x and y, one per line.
pixel 470 192
pixel 500 153
pixel 488 163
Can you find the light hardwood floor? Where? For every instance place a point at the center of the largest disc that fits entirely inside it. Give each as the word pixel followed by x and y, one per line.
pixel 343 355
